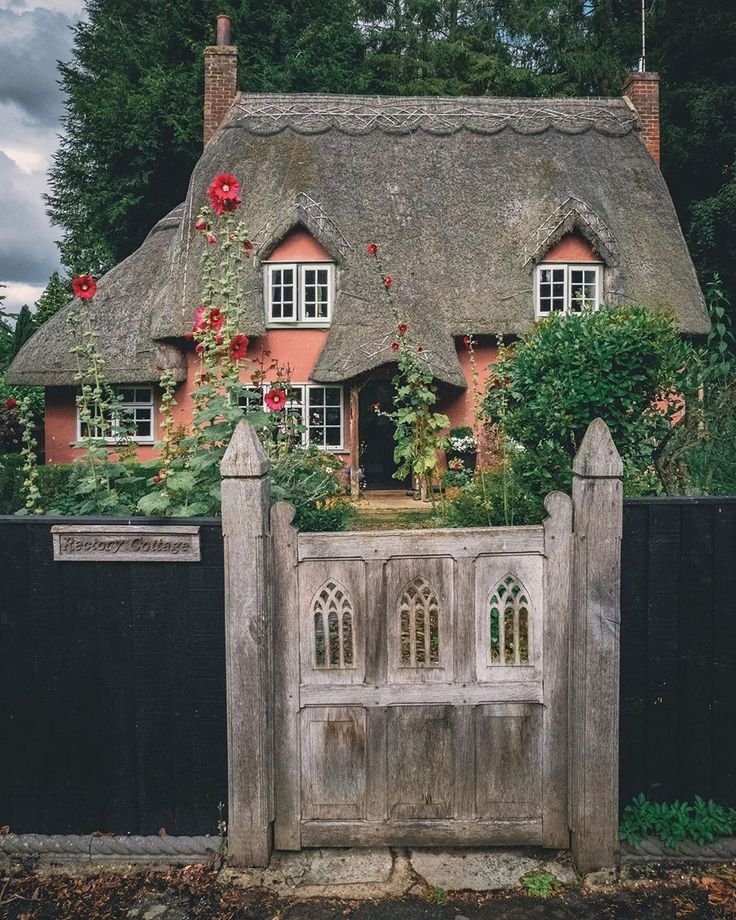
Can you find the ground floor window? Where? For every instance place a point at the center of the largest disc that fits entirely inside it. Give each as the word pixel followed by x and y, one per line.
pixel 132 418
pixel 318 411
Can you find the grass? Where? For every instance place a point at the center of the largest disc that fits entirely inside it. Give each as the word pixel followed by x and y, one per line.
pixel 391 519
pixel 540 884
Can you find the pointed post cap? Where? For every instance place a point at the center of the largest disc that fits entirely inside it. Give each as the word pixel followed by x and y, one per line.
pixel 245 456
pixel 597 457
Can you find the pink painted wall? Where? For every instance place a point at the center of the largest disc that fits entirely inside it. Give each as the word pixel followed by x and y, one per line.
pixel 572 248
pixel 459 409
pixel 300 348
pixel 300 246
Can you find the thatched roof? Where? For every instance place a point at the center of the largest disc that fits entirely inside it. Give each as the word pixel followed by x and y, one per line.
pixel 122 312
pixel 462 195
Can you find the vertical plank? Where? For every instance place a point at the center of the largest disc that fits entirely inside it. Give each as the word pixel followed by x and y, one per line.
pixel 248 643
pixel 287 765
pixel 634 651
pixel 354 435
pixel 597 494
pixel 665 574
pixel 695 671
pixel 464 620
pixel 376 649
pixel 556 633
pixel 376 764
pixel 724 654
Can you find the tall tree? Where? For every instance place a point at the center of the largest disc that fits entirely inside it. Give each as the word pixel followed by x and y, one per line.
pixel 133 125
pixel 24 328
pixel 693 45
pixel 56 295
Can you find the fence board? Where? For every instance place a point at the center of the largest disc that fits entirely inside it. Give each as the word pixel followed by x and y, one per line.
pixel 678 598
pixel 112 689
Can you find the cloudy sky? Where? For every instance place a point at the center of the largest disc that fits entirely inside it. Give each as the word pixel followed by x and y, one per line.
pixel 34 35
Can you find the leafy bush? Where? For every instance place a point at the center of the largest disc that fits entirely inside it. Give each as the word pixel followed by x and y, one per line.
pixel 701 821
pixel 490 499
pixel 626 365
pixel 53 482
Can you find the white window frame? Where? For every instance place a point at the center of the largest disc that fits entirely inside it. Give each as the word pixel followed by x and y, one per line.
pixel 146 404
pixel 568 267
pixel 303 389
pixel 299 268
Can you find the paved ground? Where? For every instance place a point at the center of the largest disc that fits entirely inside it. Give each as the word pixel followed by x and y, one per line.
pixel 200 893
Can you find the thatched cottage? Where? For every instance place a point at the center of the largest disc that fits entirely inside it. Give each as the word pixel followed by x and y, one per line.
pixel 489 214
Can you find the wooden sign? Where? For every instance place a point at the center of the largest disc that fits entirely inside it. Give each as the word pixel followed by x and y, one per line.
pixel 125 543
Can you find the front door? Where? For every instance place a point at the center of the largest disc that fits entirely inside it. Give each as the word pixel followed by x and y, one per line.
pixel 377 436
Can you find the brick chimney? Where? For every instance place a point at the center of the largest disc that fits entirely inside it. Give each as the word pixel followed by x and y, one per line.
pixel 642 90
pixel 220 78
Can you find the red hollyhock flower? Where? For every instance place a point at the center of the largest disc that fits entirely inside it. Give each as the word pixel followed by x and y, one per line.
pixel 247 248
pixel 189 336
pixel 403 329
pixel 467 341
pixel 84 287
pixel 199 348
pixel 211 238
pixel 372 249
pixel 275 400
pixel 223 192
pixel 200 319
pixel 388 281
pixel 11 403
pixel 219 338
pixel 216 318
pixel 376 406
pixel 156 480
pixel 201 224
pixel 238 347
pixel 395 346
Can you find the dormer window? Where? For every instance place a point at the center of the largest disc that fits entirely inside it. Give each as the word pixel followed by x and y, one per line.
pixel 299 281
pixel 569 278
pixel 300 293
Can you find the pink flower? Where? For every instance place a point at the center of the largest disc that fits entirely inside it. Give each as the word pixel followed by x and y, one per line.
pixel 201 224
pixel 211 238
pixel 247 248
pixel 388 281
pixel 223 192
pixel 199 348
pixel 200 319
pixel 275 400
pixel 238 347
pixel 84 287
pixel 372 249
pixel 216 318
pixel 467 341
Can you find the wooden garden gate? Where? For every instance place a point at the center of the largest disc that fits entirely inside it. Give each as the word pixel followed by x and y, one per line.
pixel 421 689
pixel 437 687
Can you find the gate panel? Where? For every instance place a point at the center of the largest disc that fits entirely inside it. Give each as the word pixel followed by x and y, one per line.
pixel 421 775
pixel 333 763
pixel 508 761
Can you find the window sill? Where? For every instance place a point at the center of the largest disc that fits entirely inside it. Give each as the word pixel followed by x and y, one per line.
pixel 323 324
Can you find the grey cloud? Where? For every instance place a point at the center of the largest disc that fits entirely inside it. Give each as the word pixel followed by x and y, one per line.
pixel 27 249
pixel 31 43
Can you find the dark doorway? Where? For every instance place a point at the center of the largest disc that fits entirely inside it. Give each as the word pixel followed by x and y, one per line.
pixel 377 437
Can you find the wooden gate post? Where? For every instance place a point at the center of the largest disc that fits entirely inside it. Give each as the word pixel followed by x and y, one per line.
pixel 597 495
pixel 248 648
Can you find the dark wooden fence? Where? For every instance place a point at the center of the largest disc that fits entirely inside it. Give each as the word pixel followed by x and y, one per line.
pixel 112 675
pixel 112 689
pixel 678 649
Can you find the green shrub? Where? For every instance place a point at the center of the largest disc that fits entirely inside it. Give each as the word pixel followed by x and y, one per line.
pixel 11 483
pixel 701 821
pixel 540 884
pixel 613 364
pixel 490 499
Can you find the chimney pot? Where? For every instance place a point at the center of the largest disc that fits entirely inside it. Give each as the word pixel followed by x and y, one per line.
pixel 223 30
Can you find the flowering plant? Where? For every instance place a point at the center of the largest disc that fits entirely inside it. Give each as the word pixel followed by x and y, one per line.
pixel 418 426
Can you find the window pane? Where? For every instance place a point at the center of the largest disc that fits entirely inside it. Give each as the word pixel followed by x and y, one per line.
pixel 332 416
pixel 332 396
pixel 316 396
pixel 333 438
pixel 127 396
pixel 282 293
pixel 316 292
